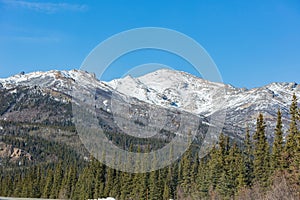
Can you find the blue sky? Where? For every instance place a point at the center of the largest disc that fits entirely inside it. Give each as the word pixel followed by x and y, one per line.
pixel 253 42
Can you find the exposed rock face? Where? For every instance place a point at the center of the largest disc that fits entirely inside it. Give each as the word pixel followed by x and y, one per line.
pixel 18 153
pixel 12 153
pixel 169 88
pixel 44 97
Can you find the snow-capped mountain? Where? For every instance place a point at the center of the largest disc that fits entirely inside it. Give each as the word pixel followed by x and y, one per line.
pixel 173 89
pixel 49 97
pixel 59 80
pixel 166 90
pixel 170 88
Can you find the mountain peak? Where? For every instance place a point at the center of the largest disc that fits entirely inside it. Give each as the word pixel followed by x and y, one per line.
pixel 49 78
pixel 173 89
pixel 165 72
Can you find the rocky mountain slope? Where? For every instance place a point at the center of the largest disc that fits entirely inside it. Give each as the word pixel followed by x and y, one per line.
pixel 33 97
pixel 169 88
pixel 13 154
pixel 41 104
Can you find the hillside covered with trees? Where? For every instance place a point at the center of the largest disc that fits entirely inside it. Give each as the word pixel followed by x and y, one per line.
pixel 254 169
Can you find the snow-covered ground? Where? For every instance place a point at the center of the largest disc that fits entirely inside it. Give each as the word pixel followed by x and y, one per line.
pixel 174 89
pixel 171 88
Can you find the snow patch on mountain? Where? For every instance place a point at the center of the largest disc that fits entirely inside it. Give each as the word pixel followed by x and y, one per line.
pixel 174 89
pixel 169 88
pixel 54 79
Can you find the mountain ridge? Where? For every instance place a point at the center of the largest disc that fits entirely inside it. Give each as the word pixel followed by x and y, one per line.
pixel 175 90
pixel 242 105
pixel 66 73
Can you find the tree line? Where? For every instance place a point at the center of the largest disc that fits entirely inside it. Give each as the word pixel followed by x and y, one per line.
pixel 255 169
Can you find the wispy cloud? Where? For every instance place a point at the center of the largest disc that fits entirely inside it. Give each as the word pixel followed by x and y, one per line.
pixel 42 39
pixel 35 39
pixel 46 7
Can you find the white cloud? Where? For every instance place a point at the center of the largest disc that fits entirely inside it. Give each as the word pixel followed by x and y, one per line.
pixel 31 39
pixel 46 7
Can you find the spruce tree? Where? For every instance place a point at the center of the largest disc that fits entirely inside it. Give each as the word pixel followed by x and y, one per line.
pixel 217 160
pixel 98 184
pixel 228 182
pixel 48 184
pixel 186 163
pixel 57 179
pixel 109 182
pixel 28 185
pixel 85 188
pixel 246 169
pixel 170 182
pixel 37 181
pixel 7 182
pixel 18 186
pixel 215 168
pixel 167 192
pixel 127 178
pixel 261 154
pixel 68 183
pixel 292 147
pixel 154 182
pixel 277 149
pixel 291 141
pixel 202 180
pixel 242 173
pixel 139 189
pixel 143 188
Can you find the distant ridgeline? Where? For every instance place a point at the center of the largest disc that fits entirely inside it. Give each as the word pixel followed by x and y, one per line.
pixel 253 169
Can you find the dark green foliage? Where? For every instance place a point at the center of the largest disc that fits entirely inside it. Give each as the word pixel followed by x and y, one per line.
pixel 245 177
pixel 68 183
pixel 57 180
pixel 202 179
pixel 292 147
pixel 217 161
pixel 48 183
pixel 187 170
pixel 228 181
pixel 277 161
pixel 227 171
pixel 261 150
pixel 291 143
